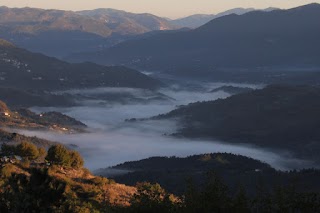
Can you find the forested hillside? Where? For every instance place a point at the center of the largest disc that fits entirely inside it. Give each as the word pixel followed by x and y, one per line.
pixel 25 70
pixel 278 117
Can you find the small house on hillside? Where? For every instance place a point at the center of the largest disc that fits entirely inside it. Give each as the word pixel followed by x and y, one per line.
pixel 6 114
pixel 10 159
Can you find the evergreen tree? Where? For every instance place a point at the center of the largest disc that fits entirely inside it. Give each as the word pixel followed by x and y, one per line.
pixel 151 198
pixel 42 153
pixel 7 150
pixel 241 202
pixel 191 197
pixel 76 159
pixel 28 151
pixel 59 155
pixel 214 197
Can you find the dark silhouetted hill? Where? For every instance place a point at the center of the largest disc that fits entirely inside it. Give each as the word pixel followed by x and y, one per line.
pixel 173 173
pixel 279 117
pixel 22 69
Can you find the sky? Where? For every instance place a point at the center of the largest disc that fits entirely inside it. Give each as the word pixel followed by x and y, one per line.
pixel 164 8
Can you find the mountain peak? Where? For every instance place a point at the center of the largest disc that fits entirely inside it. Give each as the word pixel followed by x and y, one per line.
pixel 308 7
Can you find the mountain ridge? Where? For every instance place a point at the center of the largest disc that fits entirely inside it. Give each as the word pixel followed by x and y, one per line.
pixel 270 118
pixel 173 173
pixel 33 20
pixel 22 69
pixel 276 40
pixel 198 20
pixel 59 33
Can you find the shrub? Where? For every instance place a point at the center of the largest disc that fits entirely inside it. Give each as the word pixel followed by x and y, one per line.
pixel 60 155
pixel 100 181
pixel 86 173
pixel 42 153
pixel 25 163
pixel 8 150
pixel 7 171
pixel 76 159
pixel 28 151
pixel 153 198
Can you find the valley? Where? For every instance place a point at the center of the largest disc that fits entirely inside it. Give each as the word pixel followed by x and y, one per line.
pixel 112 130
pixel 242 119
pixel 107 110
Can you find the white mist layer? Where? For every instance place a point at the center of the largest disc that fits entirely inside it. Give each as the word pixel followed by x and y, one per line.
pixel 113 141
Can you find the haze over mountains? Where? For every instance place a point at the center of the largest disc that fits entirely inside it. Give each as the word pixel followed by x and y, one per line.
pixel 122 22
pixel 69 31
pixel 92 30
pixel 102 22
pixel 258 40
pixel 197 20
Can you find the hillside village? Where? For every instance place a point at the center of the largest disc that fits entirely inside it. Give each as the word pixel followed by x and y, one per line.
pixel 26 119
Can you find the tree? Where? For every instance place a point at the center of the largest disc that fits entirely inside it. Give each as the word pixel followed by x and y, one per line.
pixel 76 159
pixel 214 197
pixel 191 197
pixel 42 153
pixel 240 201
pixel 28 151
pixel 151 198
pixel 8 150
pixel 59 155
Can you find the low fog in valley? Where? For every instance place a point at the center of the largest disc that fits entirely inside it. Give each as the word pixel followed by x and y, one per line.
pixel 111 140
pixel 107 110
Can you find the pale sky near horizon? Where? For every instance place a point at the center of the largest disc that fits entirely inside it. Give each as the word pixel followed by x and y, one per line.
pixel 165 8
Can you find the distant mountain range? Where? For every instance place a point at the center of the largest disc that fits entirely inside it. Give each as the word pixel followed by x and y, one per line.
pixel 121 22
pixel 256 41
pixel 21 69
pixel 58 33
pixel 198 20
pixel 272 42
pixel 102 22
